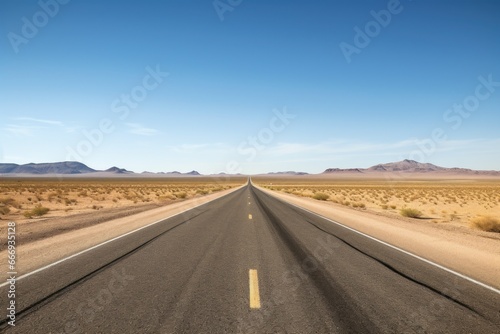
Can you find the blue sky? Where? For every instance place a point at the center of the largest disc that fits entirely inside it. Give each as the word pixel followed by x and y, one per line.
pixel 250 86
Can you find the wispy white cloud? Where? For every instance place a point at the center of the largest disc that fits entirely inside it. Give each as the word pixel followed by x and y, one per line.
pixel 352 147
pixel 335 147
pixel 27 125
pixel 139 129
pixel 37 120
pixel 21 130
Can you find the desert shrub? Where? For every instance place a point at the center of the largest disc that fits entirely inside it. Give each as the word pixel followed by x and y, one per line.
pixel 202 191
pixel 181 194
pixel 68 201
pixel 7 201
pixel 4 210
pixel 409 212
pixel 37 211
pixel 321 196
pixel 486 223
pixel 168 197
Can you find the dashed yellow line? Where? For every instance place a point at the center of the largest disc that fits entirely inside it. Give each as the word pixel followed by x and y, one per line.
pixel 250 217
pixel 254 289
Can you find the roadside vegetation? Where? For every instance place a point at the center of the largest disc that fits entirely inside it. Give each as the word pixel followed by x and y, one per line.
pixel 486 223
pixel 31 197
pixel 321 196
pixel 467 203
pixel 37 211
pixel 411 213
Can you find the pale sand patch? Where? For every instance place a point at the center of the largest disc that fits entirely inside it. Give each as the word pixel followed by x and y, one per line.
pixel 40 253
pixel 472 253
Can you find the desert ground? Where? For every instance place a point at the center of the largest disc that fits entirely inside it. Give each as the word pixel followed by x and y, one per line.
pixel 468 203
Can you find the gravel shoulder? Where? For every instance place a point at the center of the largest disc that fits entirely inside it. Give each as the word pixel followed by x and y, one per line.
pixel 469 252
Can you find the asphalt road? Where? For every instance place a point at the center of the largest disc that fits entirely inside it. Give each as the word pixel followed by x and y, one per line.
pixel 249 263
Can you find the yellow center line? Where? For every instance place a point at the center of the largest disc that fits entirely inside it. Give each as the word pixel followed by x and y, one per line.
pixel 250 217
pixel 254 289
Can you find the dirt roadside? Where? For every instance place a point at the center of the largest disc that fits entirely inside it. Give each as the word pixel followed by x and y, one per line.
pixel 33 255
pixel 41 228
pixel 469 252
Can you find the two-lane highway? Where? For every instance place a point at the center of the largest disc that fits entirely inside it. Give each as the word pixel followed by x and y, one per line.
pixel 249 263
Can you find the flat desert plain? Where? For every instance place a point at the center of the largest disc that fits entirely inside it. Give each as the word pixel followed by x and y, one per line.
pixel 43 207
pixel 467 202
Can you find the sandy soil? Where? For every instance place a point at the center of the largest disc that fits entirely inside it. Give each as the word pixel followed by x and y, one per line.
pixel 40 252
pixel 467 251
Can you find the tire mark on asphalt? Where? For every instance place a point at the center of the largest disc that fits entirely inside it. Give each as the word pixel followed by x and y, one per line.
pixel 54 295
pixel 346 316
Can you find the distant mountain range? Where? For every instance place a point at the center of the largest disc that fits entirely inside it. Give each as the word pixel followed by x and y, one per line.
pixel 288 173
pixel 78 168
pixel 68 167
pixel 71 168
pixel 409 166
pixel 192 173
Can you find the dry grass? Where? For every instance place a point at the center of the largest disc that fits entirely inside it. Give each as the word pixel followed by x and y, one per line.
pixel 442 201
pixel 321 196
pixel 411 213
pixel 37 211
pixel 22 199
pixel 486 223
